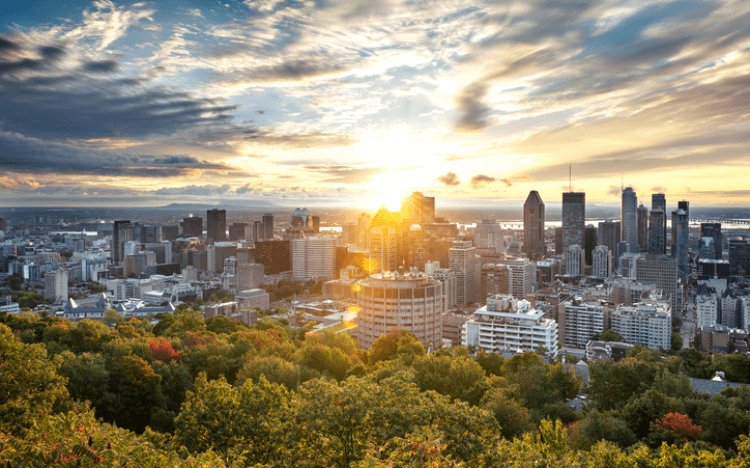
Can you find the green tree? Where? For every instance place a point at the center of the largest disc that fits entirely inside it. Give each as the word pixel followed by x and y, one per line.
pixel 611 335
pixel 30 386
pixel 457 377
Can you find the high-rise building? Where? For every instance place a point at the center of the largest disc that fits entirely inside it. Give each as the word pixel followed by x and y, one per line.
pixel 608 234
pixel 629 219
pixel 533 226
pixel 495 280
pixel 579 321
pixel 662 271
pixel 418 209
pixel 313 257
pixel 711 241
pixel 589 239
pixel 216 225
pixel 739 256
pixel 121 232
pixel 463 260
pixel 522 276
pixel 267 224
pixel 237 231
pixel 647 323
pixel 601 264
pixel 680 239
pixel 642 215
pixel 56 285
pixel 3 224
pixel 448 278
pixel 573 219
pixel 383 249
pixel 573 261
pixel 706 310
pixel 488 237
pixel 391 301
pixel 510 325
pixel 192 227
pixel 275 255
pixel 657 242
pixel 659 202
pixel 249 276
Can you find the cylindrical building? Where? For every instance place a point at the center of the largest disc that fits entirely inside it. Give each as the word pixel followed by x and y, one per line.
pixel 412 301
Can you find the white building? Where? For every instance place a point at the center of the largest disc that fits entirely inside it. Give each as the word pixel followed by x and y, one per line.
pixel 601 262
pixel 706 310
pixel 252 298
pixel 448 278
pixel 647 323
pixel 56 285
pixel 313 257
pixel 522 276
pixel 574 261
pixel 580 320
pixel 506 324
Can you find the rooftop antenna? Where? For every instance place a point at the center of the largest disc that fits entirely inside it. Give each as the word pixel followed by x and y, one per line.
pixel 570 177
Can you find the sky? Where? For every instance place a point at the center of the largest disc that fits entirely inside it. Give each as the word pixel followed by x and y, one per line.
pixel 360 102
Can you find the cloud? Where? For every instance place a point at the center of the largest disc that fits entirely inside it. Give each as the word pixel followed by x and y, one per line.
pixel 658 189
pixel 507 182
pixel 449 180
pixel 473 111
pixel 481 180
pixel 614 190
pixel 103 66
pixel 346 174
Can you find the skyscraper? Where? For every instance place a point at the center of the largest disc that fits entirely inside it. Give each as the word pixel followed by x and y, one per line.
pixel 684 206
pixel 573 219
pixel 418 209
pixel 216 225
pixel 533 226
pixel 629 219
pixel 463 260
pixel 657 242
pixel 711 241
pixel 642 215
pixel 267 233
pixel 192 227
pixel 313 257
pixel 659 202
pixel 122 232
pixel 608 234
pixel 589 242
pixel 680 242
pixel 384 251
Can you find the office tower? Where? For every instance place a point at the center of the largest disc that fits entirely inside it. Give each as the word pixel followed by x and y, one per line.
pixel 706 310
pixel 642 215
pixel 275 255
pixel 216 225
pixel 510 325
pixel 169 232
pixel 121 232
pixel 384 251
pixel 216 253
pixel 533 226
pixel 3 224
pixel 579 321
pixel 237 231
pixel 463 260
pixel 488 237
pixel 573 261
pixel 659 202
pixel 313 258
pixel 521 276
pixel 739 256
pixel 249 275
pixel 711 241
pixel 495 279
pixel 680 239
pixel 573 219
pixel 648 324
pixel 388 301
pixel 558 240
pixel 448 278
pixel 192 227
pixel 608 235
pixel 56 285
pixel 657 242
pixel 601 262
pixel 629 219
pixel 683 205
pixel 267 233
pixel 662 271
pixel 418 209
pixel 589 239
pixel 315 223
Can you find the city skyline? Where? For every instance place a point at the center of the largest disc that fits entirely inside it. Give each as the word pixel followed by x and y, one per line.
pixel 362 103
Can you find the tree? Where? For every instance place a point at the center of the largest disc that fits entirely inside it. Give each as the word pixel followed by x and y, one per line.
pixel 674 427
pixel 394 343
pixel 30 386
pixel 456 377
pixel 676 342
pixel 611 335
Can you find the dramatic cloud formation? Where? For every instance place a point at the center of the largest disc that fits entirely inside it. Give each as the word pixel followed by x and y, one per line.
pixel 349 99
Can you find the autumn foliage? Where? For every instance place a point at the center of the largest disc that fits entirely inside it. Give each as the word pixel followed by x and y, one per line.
pixel 679 426
pixel 163 350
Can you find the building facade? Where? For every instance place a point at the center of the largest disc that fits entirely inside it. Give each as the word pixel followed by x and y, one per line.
pixel 573 219
pixel 216 225
pixel 533 226
pixel 629 219
pixel 463 260
pixel 389 301
pixel 313 257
